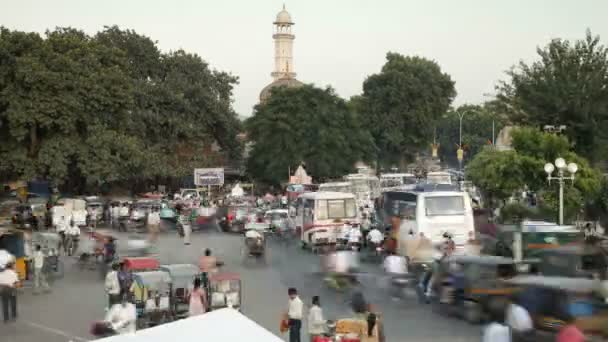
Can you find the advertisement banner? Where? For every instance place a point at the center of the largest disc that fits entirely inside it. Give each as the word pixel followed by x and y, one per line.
pixel 205 177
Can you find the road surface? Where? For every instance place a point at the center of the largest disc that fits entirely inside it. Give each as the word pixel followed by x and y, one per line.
pixel 78 299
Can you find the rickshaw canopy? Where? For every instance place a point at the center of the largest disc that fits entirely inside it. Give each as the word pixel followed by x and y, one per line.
pixel 153 280
pixel 140 264
pixel 575 285
pixel 182 275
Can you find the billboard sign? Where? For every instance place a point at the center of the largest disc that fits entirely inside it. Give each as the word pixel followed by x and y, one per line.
pixel 205 177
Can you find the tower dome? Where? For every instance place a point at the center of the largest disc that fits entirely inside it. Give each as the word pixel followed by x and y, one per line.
pixel 284 17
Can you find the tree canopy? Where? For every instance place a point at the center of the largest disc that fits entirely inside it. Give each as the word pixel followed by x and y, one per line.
pixel 500 174
pixel 305 124
pixel 568 85
pixel 103 108
pixel 401 105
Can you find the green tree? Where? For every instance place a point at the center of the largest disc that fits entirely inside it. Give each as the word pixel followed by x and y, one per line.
pixel 305 124
pixel 566 86
pixel 401 105
pixel 501 174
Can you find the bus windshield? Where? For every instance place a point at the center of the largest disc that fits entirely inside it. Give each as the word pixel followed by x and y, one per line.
pixel 336 209
pixel 444 205
pixel 395 203
pixel 335 188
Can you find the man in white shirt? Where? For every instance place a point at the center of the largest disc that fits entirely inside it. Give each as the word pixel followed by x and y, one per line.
pixel 153 223
pixel 115 214
pixel 72 235
pixel 112 285
pixel 39 275
pixel 316 321
pixel 9 281
pixel 294 314
pixel 123 217
pixel 122 317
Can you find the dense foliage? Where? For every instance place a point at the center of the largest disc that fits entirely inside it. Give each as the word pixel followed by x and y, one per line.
pixel 568 85
pixel 502 174
pixel 90 110
pixel 402 104
pixel 309 125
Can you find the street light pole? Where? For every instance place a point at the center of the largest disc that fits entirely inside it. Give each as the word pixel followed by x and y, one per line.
pixel 561 166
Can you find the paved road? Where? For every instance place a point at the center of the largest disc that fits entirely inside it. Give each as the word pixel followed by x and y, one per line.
pixel 78 299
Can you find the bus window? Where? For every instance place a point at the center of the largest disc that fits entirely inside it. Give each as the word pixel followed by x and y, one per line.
pixel 444 205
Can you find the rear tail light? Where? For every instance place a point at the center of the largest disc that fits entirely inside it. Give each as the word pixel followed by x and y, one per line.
pixel 230 217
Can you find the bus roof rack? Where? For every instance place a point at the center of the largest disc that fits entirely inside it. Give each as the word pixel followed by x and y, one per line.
pixel 429 187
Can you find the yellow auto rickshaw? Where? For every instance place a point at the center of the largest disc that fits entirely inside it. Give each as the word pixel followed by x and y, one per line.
pixel 13 241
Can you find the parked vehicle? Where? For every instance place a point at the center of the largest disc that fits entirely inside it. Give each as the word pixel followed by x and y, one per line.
pixel 182 279
pixel 224 290
pixel 75 210
pixel 151 291
pixel 321 215
pixel 13 241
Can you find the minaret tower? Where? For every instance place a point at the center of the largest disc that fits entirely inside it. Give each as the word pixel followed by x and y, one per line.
pixel 283 47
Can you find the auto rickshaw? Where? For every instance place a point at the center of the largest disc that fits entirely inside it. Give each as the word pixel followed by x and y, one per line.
pixel 50 244
pixel 151 292
pixel 466 284
pixel 141 264
pixel 254 248
pixel 13 241
pixel 224 290
pixel 578 261
pixel 182 279
pixel 550 299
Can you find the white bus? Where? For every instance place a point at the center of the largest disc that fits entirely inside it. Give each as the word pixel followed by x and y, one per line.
pixel 365 187
pixel 437 212
pixel 321 215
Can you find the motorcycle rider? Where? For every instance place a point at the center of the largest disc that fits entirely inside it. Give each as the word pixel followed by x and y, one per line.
pixel 396 267
pixel 73 236
pixel 375 237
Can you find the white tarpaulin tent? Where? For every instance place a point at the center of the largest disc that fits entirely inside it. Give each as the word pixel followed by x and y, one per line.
pixel 220 325
pixel 237 191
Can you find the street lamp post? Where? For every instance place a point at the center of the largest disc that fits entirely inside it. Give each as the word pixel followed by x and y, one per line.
pixel 560 164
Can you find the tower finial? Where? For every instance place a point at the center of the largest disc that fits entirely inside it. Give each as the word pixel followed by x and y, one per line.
pixel 283 6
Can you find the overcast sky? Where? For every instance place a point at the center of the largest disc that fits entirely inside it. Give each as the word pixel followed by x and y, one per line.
pixel 338 42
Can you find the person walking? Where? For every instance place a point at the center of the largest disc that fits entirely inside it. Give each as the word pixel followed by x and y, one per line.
pixel 112 285
pixel 123 217
pixel 39 272
pixel 198 300
pixel 153 223
pixel 9 281
pixel 115 215
pixel 294 315
pixel 316 321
